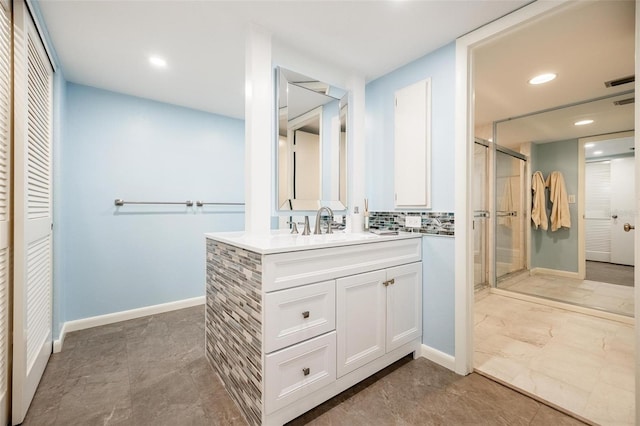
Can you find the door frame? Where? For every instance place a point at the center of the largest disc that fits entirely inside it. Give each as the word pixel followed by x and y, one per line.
pixel 464 137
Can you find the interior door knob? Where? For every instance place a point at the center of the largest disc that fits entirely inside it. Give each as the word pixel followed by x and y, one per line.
pixel 627 227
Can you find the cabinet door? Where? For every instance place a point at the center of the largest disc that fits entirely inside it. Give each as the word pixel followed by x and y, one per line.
pixel 360 320
pixel 404 305
pixel 412 143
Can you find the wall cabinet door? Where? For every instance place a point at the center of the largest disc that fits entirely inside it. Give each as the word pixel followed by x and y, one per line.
pixel 360 320
pixel 404 305
pixel 412 145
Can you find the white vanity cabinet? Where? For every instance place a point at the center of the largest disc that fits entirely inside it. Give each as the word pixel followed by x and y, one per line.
pixel 377 312
pixel 288 329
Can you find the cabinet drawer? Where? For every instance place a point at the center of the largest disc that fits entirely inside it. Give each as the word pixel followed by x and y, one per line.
pixel 287 270
pixel 294 372
pixel 297 314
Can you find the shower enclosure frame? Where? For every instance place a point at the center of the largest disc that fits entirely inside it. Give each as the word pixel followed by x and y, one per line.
pixel 490 215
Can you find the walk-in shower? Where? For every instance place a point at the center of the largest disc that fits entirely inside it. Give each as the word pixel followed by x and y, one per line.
pixel 499 214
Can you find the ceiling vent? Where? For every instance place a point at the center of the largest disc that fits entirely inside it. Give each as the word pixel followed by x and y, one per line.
pixel 624 101
pixel 620 81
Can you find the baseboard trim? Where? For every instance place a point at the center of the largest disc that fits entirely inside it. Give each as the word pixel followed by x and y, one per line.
pixel 556 272
pixel 439 357
pixel 99 320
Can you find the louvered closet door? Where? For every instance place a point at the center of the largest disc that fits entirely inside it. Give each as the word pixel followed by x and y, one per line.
pixel 5 174
pixel 32 195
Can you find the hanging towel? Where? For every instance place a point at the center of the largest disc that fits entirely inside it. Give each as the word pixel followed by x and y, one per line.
pixel 539 207
pixel 560 216
pixel 506 204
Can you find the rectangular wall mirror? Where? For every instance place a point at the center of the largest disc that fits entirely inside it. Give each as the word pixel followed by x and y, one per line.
pixel 312 143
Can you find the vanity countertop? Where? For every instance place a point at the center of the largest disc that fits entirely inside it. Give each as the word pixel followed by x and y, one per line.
pixel 281 241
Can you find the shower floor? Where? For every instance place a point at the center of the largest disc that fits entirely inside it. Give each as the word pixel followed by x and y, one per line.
pixel 613 298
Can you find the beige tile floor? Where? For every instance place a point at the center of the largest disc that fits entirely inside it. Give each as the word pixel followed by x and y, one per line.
pixel 598 295
pixel 577 362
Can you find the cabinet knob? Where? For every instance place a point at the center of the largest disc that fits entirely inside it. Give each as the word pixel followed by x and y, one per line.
pixel 305 314
pixel 392 281
pixel 306 371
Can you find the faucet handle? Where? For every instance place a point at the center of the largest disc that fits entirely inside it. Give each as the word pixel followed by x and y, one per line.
pixel 294 226
pixel 329 228
pixel 306 230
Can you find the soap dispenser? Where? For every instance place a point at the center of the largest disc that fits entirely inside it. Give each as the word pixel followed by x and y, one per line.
pixel 366 215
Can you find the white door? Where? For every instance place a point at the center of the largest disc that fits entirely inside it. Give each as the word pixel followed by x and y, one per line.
pixel 32 315
pixel 360 320
pixel 5 206
pixel 404 305
pixel 622 206
pixel 598 220
pixel 306 172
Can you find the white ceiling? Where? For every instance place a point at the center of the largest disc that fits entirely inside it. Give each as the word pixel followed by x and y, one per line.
pixel 586 44
pixel 105 44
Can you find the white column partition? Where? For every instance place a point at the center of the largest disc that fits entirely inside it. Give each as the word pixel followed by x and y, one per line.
pixel 258 130
pixel 356 143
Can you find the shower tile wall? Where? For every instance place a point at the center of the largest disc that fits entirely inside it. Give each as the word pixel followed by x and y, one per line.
pixel 433 223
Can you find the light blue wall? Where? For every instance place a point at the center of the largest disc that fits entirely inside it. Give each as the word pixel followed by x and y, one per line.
pixel 438 252
pixel 557 250
pixel 380 93
pixel 438 267
pixel 118 146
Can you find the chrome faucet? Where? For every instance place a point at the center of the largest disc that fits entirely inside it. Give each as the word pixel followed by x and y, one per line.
pixel 317 229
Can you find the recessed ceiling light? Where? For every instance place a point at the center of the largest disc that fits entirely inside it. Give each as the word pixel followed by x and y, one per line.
pixel 589 145
pixel 597 152
pixel 582 122
pixel 543 78
pixel 157 61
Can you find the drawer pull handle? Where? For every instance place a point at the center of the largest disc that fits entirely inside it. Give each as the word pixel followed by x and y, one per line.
pixel 305 314
pixel 306 371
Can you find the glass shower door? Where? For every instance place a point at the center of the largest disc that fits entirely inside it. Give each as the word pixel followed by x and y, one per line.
pixel 510 253
pixel 480 215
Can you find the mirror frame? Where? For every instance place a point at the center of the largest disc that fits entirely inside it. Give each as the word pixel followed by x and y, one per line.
pixel 339 170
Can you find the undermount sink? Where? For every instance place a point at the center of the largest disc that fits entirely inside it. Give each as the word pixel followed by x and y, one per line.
pixel 335 236
pixel 343 236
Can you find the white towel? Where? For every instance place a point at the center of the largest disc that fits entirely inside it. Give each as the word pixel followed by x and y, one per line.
pixel 506 204
pixel 560 215
pixel 539 208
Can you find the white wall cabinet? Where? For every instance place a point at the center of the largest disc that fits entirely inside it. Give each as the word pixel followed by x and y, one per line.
pixel 412 144
pixel 376 313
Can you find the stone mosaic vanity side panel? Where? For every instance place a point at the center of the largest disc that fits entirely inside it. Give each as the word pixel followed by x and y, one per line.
pixel 433 223
pixel 234 324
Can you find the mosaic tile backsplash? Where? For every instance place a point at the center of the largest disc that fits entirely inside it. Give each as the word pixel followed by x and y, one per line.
pixel 233 324
pixel 434 223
